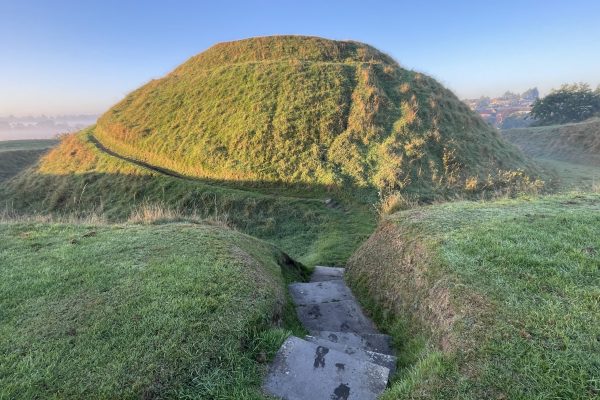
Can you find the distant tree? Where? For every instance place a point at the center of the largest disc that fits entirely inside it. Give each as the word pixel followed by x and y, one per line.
pixel 531 94
pixel 570 103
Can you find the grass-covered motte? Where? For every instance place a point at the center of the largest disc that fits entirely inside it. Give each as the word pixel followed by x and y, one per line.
pixel 130 311
pixel 489 300
pixel 307 110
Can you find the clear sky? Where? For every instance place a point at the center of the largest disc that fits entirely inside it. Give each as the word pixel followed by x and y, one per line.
pixel 82 56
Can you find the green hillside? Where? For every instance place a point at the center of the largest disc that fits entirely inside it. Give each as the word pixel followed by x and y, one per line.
pixel 305 110
pixel 76 179
pixel 131 311
pixel 16 155
pixel 576 143
pixel 291 139
pixel 489 300
pixel 569 154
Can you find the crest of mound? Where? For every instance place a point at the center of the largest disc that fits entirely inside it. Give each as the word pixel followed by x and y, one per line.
pixel 305 110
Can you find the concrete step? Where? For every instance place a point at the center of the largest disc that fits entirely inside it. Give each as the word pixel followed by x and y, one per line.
pixel 319 292
pixel 385 360
pixel 339 316
pixel 321 274
pixel 306 371
pixel 376 342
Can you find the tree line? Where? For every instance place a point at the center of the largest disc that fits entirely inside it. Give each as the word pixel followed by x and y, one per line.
pixel 570 103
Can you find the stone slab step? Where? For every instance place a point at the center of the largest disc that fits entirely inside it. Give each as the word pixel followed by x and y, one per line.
pixel 376 342
pixel 385 360
pixel 306 371
pixel 321 274
pixel 340 316
pixel 319 292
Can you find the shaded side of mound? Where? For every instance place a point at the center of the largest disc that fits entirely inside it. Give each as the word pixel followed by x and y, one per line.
pixel 488 300
pixel 298 109
pixel 76 179
pixel 576 143
pixel 171 311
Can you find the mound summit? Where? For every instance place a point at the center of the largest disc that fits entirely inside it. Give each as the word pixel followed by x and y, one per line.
pixel 295 109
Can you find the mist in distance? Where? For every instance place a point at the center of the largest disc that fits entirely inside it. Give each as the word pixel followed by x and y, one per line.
pixel 42 127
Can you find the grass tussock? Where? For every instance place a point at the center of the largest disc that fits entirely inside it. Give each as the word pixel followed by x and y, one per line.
pixel 488 299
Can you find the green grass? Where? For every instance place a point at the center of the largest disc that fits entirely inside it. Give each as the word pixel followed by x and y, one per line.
pixel 132 311
pixel 577 143
pixel 16 155
pixel 78 179
pixel 39 144
pixel 489 300
pixel 567 154
pixel 568 176
pixel 296 110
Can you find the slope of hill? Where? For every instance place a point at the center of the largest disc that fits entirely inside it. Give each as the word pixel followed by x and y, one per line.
pixel 576 143
pixel 125 311
pixel 77 179
pixel 568 154
pixel 305 110
pixel 489 300
pixel 16 155
pixel 290 138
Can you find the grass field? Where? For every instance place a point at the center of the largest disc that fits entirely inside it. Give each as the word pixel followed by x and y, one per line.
pixel 16 155
pixel 577 143
pixel 567 154
pixel 132 311
pixel 491 300
pixel 15 145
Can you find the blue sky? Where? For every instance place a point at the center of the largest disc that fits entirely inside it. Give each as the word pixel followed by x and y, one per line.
pixel 82 56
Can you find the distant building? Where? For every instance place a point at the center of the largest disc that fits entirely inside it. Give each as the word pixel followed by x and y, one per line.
pixel 510 105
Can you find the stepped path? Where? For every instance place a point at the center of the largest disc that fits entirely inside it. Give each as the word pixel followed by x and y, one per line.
pixel 343 358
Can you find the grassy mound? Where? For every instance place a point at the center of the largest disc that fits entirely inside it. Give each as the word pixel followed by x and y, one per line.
pixel 16 155
pixel 568 155
pixel 577 143
pixel 489 300
pixel 76 178
pixel 125 311
pixel 306 111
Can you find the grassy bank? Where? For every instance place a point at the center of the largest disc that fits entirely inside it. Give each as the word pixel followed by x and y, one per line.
pixel 489 300
pixel 577 143
pixel 131 311
pixel 76 178
pixel 16 155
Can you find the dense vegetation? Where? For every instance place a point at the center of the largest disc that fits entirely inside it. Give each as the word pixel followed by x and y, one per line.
pixel 305 110
pixel 126 311
pixel 489 300
pixel 570 103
